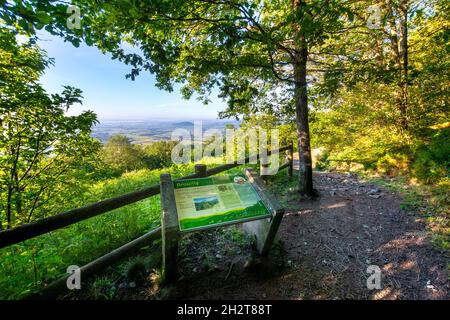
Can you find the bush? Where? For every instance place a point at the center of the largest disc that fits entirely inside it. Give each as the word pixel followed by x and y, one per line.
pixel 30 265
pixel 121 155
pixel 158 154
pixel 393 164
pixel 432 160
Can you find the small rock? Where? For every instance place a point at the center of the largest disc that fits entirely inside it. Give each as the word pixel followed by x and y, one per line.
pixel 122 285
pixel 132 284
pixel 430 286
pixel 218 256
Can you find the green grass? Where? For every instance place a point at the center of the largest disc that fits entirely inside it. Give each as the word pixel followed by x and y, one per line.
pixel 29 266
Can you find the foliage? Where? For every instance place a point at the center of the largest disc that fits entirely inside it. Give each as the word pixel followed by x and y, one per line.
pixel 254 53
pixel 36 262
pixel 45 155
pixel 121 155
pixel 158 154
pixel 27 16
pixel 432 161
pixel 387 106
pixel 286 129
pixel 375 96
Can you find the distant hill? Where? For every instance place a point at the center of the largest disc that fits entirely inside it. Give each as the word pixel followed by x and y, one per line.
pixel 184 124
pixel 144 132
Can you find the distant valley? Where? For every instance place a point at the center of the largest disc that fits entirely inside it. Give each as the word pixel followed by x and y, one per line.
pixel 148 131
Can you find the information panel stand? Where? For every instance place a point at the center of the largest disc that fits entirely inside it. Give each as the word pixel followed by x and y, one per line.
pixel 264 229
pixel 170 233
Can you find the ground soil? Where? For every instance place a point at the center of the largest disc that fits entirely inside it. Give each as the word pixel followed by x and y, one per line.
pixel 327 245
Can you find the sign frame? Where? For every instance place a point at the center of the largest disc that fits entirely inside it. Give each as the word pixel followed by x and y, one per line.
pixel 262 229
pixel 187 195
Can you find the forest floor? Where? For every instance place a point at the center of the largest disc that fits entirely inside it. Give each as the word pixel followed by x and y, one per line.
pixel 325 247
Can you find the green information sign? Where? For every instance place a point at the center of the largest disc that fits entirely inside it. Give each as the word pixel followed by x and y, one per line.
pixel 209 202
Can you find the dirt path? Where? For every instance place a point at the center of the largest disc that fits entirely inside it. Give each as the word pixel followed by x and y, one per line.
pixel 329 243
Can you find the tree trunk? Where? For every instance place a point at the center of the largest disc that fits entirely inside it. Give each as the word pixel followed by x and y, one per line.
pixel 398 37
pixel 301 111
pixel 403 53
pixel 9 208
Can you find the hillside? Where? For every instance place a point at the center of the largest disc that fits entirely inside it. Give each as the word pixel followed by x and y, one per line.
pixel 147 131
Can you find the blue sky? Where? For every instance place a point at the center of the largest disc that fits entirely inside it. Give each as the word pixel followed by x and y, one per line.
pixel 108 93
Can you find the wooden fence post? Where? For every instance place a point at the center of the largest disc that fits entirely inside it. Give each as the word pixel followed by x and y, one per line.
pixel 200 170
pixel 169 230
pixel 264 230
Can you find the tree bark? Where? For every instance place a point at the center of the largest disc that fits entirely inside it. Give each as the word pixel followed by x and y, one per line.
pixel 301 112
pixel 403 53
pixel 398 25
pixel 9 208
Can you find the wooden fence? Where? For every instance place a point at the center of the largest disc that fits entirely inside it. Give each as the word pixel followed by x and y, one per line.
pixel 61 220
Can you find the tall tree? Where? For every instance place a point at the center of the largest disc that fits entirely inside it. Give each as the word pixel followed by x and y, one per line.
pixel 121 155
pixel 381 56
pixel 385 96
pixel 42 150
pixel 244 49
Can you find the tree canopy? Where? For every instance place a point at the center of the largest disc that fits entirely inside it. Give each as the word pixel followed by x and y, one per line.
pixel 286 58
pixel 42 150
pixel 253 53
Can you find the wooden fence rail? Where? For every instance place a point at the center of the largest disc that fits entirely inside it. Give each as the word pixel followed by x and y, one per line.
pixel 67 218
pixel 40 227
pixel 55 288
